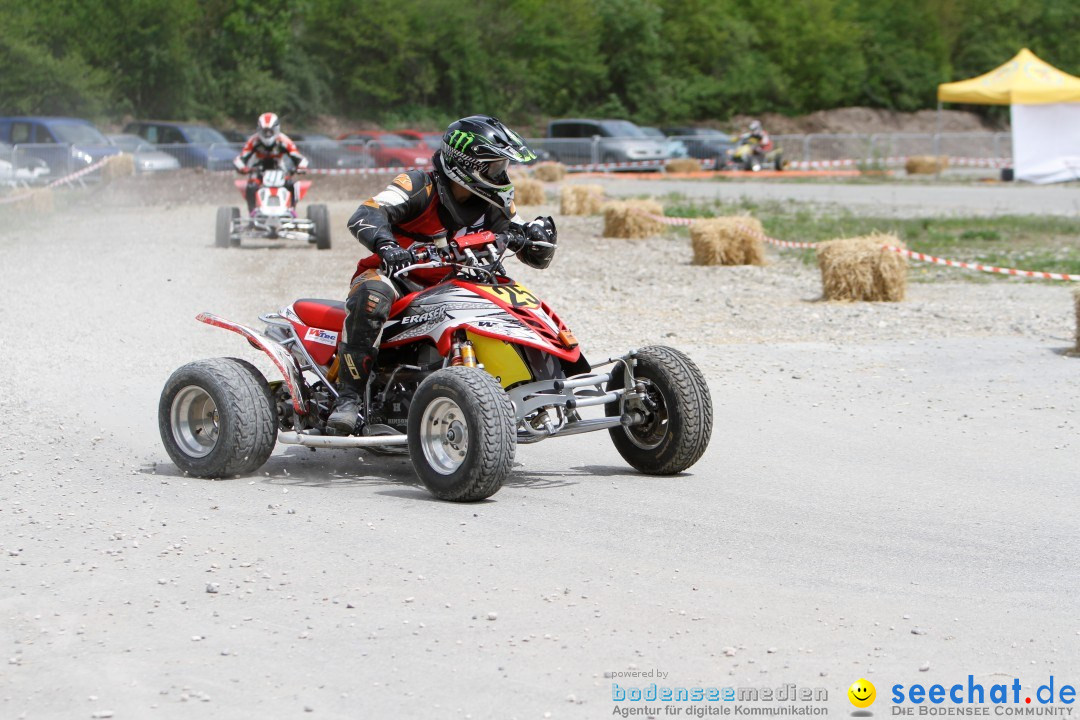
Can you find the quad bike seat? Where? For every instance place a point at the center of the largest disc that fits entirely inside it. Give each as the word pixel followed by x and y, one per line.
pixel 324 314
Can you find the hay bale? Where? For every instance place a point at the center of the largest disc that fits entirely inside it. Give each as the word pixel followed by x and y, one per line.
pixel 631 219
pixel 549 171
pixel 39 202
pixel 683 165
pixel 727 241
pixel 1076 299
pixel 529 192
pixel 581 199
pixel 861 269
pixel 926 164
pixel 118 166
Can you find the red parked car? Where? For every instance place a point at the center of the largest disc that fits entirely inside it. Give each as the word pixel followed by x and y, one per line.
pixel 424 137
pixel 388 149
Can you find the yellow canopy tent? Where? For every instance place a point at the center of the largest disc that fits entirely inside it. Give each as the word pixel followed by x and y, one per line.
pixel 1024 80
pixel 1044 108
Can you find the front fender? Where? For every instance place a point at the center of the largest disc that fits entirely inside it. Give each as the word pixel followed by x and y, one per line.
pixel 302 187
pixel 279 355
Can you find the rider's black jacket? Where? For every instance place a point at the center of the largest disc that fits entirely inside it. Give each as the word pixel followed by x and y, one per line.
pixel 409 210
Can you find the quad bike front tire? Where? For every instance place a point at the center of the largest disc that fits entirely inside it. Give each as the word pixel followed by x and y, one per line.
pixel 319 215
pixel 462 434
pixel 223 228
pixel 678 427
pixel 217 418
pixel 234 238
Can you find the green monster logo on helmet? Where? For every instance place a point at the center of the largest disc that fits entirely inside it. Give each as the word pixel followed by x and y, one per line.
pixel 460 140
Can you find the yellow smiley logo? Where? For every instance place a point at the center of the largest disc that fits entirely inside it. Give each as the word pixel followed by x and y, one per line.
pixel 862 693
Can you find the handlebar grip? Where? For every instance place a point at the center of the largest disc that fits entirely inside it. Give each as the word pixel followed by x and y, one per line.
pixel 515 241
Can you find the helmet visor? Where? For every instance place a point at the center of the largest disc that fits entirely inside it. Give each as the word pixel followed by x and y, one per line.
pixel 494 171
pixel 267 134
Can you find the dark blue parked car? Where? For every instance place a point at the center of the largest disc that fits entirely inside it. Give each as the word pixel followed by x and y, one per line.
pixel 64 144
pixel 192 144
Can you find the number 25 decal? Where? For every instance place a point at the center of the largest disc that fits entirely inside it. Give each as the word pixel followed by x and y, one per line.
pixel 514 295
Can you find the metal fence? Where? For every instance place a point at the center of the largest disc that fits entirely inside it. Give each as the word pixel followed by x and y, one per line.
pixel 861 147
pixel 45 160
pixel 878 146
pixel 50 161
pixel 321 155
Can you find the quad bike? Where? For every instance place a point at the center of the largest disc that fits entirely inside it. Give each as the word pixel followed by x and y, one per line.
pixel 751 155
pixel 275 214
pixel 467 370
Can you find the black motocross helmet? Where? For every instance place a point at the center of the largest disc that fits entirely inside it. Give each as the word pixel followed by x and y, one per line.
pixel 476 152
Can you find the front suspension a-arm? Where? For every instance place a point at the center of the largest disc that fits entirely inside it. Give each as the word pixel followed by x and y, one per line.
pixel 279 355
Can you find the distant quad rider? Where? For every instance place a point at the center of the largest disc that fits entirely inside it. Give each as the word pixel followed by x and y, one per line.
pixel 467 191
pixel 756 133
pixel 266 150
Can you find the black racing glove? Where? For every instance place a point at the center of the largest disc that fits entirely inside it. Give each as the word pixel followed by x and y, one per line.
pixel 394 258
pixel 540 230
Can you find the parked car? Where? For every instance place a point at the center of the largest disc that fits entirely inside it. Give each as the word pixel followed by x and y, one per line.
pixel 146 157
pixel 432 139
pixel 572 141
pixel 234 136
pixel 192 144
pixel 323 151
pixel 388 149
pixel 705 144
pixel 675 148
pixel 20 167
pixel 64 144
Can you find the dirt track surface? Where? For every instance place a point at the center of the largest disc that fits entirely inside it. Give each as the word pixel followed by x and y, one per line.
pixel 888 486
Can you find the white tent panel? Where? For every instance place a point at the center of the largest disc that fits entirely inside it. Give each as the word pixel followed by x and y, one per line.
pixel 1046 142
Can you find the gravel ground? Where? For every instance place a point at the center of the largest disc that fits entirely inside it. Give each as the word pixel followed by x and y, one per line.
pixel 889 488
pixel 895 199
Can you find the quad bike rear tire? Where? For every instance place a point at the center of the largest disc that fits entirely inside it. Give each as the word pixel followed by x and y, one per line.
pixel 217 418
pixel 223 228
pixel 677 432
pixel 319 215
pixel 462 434
pixel 779 163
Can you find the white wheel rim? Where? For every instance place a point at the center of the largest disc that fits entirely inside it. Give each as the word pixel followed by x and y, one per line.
pixel 444 436
pixel 194 420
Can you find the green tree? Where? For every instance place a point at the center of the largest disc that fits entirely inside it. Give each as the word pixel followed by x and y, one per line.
pixel 905 53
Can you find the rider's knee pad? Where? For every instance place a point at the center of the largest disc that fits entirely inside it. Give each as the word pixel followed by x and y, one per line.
pixel 367 308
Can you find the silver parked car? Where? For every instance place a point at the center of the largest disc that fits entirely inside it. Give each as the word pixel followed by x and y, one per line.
pixel 16 168
pixel 581 141
pixel 675 148
pixel 147 157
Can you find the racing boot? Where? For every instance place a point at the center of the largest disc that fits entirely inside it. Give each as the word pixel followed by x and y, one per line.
pixel 352 377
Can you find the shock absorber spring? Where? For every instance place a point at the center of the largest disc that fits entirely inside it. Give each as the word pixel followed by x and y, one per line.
pixel 468 354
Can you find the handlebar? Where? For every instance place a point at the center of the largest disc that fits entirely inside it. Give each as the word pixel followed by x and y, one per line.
pixel 483 257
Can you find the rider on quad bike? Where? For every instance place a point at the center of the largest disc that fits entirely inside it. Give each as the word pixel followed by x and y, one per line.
pixel 268 148
pixel 754 145
pixel 467 191
pixel 757 132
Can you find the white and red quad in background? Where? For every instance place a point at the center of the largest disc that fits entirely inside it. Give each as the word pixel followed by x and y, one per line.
pixel 467 370
pixel 275 214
